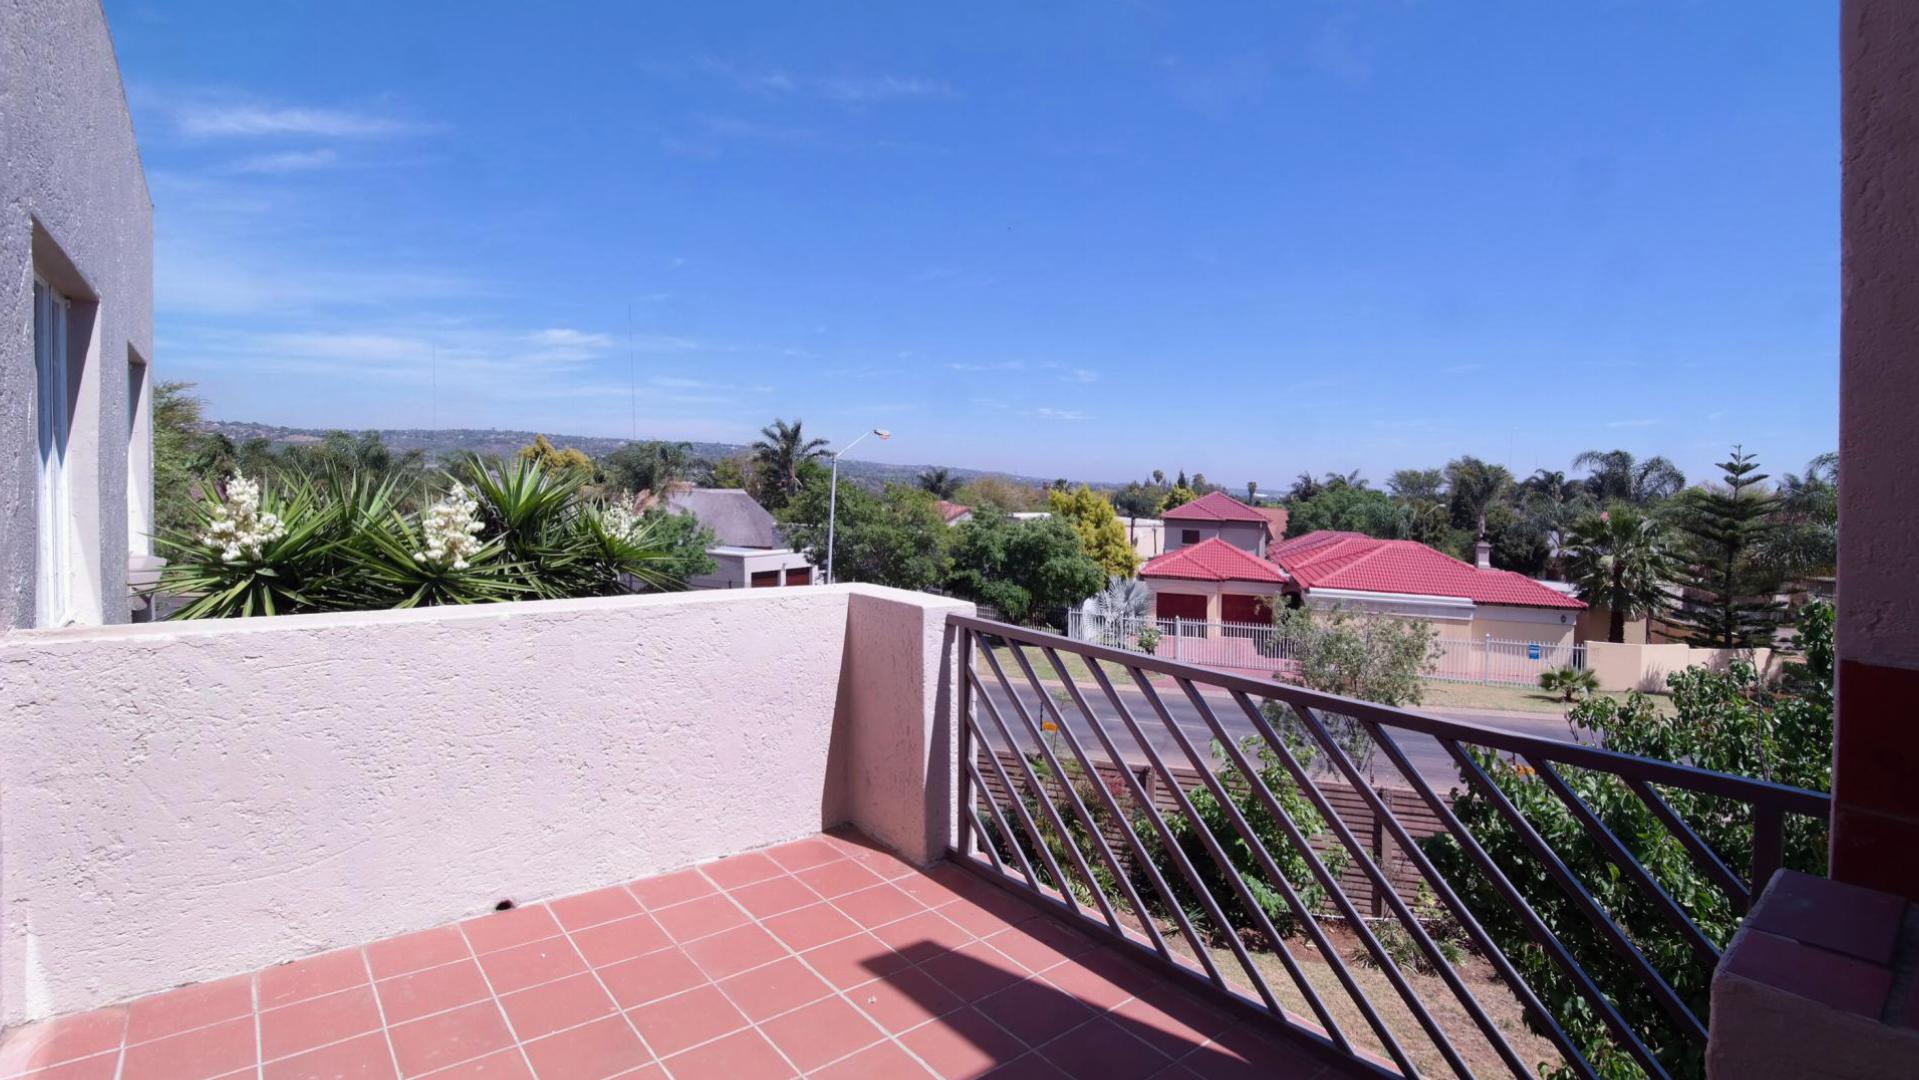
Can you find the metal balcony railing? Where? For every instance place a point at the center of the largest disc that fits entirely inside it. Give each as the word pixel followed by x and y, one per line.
pixel 1195 816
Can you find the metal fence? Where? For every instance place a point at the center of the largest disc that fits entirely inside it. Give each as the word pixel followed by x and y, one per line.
pixel 1490 660
pixel 1252 646
pixel 1257 647
pixel 1624 948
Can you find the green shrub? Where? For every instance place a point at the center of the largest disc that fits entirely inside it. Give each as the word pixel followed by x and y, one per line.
pixel 1733 722
pixel 1570 682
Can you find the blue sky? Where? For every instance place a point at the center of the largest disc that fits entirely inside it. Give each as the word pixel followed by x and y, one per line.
pixel 1076 239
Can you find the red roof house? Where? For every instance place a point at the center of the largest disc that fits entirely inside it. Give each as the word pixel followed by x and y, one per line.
pixel 1214 506
pixel 1355 562
pixel 1212 560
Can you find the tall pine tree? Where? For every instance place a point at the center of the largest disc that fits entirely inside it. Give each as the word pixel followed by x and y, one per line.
pixel 1729 591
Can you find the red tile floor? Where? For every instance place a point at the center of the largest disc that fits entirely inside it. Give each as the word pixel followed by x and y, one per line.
pixel 825 957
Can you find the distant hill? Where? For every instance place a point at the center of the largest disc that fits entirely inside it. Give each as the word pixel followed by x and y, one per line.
pixel 498 443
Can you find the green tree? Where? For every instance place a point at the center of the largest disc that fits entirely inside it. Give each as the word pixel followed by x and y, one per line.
pixel 1176 496
pixel 1418 485
pixel 653 465
pixel 180 454
pixel 1137 500
pixel 1099 529
pixel 1031 571
pixel 1734 722
pixel 1730 590
pixel 1804 540
pixel 1621 559
pixel 895 537
pixel 1379 658
pixel 777 456
pixel 939 482
pixel 1473 487
pixel 1617 476
pixel 1350 509
pixel 735 471
pixel 572 462
pixel 1001 493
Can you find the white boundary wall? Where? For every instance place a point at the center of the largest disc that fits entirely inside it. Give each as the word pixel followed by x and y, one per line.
pixel 181 802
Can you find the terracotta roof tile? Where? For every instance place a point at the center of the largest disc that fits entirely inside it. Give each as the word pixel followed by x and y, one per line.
pixel 1214 506
pixel 1212 559
pixel 1343 560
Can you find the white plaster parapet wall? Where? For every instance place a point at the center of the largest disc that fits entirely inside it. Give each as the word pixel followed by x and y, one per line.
pixel 180 802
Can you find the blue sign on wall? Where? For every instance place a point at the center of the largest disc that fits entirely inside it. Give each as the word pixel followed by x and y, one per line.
pixel 1532 651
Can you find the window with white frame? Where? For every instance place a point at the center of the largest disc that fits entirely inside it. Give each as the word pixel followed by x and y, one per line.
pixel 53 584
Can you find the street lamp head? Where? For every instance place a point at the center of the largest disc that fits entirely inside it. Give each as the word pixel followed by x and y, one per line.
pixel 882 433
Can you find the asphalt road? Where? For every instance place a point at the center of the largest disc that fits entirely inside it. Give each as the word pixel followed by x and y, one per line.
pixel 1426 755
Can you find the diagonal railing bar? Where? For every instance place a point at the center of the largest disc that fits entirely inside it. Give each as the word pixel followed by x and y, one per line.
pixel 1536 927
pixel 1381 882
pixel 991 855
pixel 1702 853
pixel 1018 804
pixel 1278 878
pixel 1623 976
pixel 1093 831
pixel 1581 897
pixel 1040 792
pixel 1768 844
pixel 1442 889
pixel 1623 859
pixel 1005 830
pixel 1226 870
pixel 1138 846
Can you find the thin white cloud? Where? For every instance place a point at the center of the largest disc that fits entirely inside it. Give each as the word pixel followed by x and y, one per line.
pixel 289 161
pixel 996 365
pixel 569 338
pixel 202 120
pixel 1048 413
pixel 1080 375
pixel 845 89
pixel 875 88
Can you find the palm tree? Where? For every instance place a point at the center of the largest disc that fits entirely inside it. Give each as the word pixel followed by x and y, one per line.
pixel 779 453
pixel 1617 476
pixel 940 481
pixel 1474 486
pixel 1550 503
pixel 1621 558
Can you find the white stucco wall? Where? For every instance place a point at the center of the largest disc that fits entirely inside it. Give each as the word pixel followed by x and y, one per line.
pixel 73 208
pixel 181 802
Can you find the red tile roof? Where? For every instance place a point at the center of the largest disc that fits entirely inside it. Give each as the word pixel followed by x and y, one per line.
pixel 1275 519
pixel 1212 559
pixel 949 511
pixel 1214 506
pixel 1345 560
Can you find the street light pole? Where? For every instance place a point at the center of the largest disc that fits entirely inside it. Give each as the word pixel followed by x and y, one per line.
pixel 833 496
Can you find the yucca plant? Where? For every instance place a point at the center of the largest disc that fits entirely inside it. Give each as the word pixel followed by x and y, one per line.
pixel 396 568
pixel 534 515
pixel 252 549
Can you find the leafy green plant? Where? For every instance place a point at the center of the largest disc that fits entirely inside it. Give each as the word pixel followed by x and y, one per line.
pixel 1213 816
pixel 1400 947
pixel 1148 640
pixel 1570 682
pixel 250 549
pixel 1732 721
pixel 346 540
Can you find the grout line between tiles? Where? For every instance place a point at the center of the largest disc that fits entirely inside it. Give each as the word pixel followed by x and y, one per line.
pixel 386 1030
pixel 494 996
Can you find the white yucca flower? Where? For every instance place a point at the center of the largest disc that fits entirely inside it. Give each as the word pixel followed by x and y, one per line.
pixel 451 528
pixel 237 528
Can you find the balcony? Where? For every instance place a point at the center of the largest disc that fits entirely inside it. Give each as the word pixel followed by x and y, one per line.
pixel 839 831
